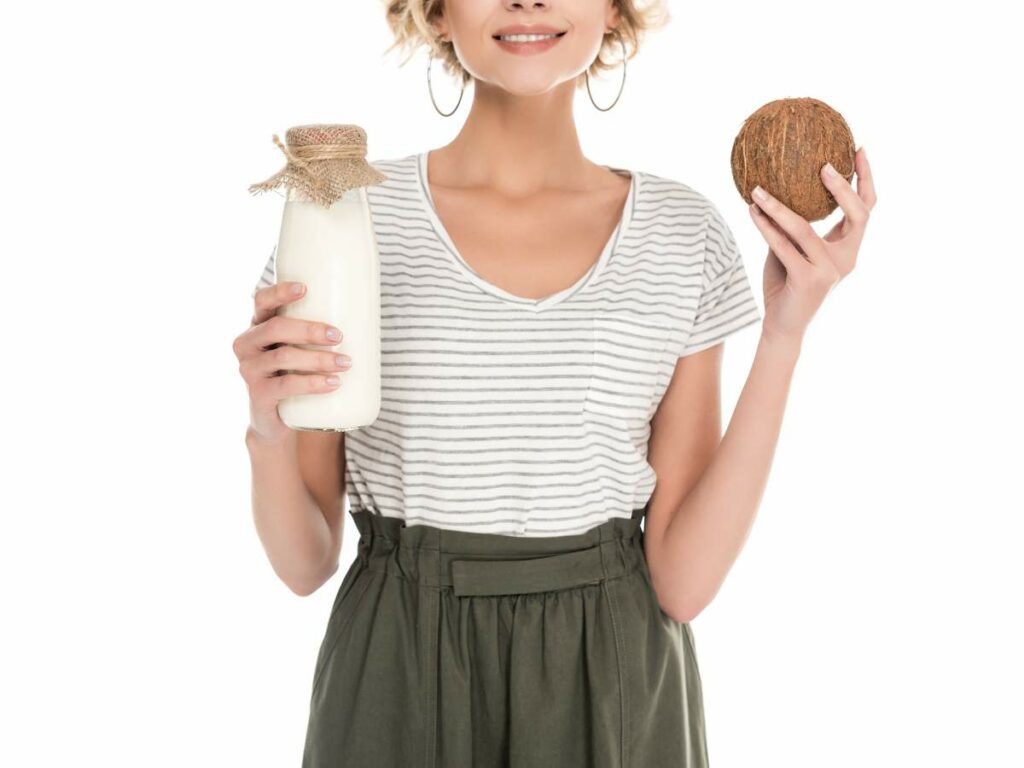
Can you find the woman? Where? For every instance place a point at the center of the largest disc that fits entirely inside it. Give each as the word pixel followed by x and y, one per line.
pixel 551 345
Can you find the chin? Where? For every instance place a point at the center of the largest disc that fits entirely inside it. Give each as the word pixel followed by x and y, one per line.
pixel 520 84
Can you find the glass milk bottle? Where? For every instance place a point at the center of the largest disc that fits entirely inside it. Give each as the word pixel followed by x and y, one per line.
pixel 327 242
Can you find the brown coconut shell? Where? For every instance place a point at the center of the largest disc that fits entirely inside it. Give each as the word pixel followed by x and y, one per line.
pixel 782 147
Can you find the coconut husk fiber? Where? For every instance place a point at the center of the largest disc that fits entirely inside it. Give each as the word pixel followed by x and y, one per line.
pixel 324 161
pixel 782 147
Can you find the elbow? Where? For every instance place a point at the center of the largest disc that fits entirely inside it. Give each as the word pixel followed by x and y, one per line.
pixel 302 588
pixel 682 612
pixel 306 584
pixel 679 604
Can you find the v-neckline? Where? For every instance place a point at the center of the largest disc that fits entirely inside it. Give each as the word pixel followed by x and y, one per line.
pixel 522 301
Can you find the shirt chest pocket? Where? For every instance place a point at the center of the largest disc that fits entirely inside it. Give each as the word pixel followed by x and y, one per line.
pixel 628 350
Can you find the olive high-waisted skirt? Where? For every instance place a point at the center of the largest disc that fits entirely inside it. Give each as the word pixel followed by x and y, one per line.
pixel 454 649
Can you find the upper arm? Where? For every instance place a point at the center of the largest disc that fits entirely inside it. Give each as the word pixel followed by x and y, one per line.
pixel 321 454
pixel 685 431
pixel 322 465
pixel 725 302
pixel 687 426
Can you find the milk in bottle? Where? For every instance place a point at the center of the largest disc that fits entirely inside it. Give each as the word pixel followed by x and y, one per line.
pixel 327 242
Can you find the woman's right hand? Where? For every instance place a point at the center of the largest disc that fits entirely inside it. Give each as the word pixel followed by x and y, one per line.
pixel 273 368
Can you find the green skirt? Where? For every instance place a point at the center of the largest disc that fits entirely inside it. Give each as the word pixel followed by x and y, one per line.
pixel 453 649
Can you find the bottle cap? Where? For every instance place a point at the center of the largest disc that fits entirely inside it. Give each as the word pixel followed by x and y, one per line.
pixel 323 162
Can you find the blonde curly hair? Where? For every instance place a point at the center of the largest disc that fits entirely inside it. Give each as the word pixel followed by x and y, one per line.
pixel 411 23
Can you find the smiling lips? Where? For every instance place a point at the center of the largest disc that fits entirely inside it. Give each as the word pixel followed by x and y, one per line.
pixel 527 40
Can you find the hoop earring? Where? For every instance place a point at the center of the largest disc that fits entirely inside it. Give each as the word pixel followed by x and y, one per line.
pixel 430 89
pixel 621 85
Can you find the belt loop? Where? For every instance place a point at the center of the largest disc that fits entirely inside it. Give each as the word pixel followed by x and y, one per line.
pixel 364 527
pixel 603 533
pixel 364 547
pixel 439 553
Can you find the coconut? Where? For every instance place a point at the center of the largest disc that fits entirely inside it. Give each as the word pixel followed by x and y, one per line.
pixel 782 148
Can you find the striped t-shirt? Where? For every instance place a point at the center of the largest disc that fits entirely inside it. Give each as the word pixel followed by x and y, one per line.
pixel 530 417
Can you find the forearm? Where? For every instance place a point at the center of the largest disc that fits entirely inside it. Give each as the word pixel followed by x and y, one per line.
pixel 707 531
pixel 289 522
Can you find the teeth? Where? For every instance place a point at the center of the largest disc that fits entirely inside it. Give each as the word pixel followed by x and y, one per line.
pixel 527 38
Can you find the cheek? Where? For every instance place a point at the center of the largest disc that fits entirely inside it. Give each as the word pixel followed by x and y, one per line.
pixel 582 44
pixel 475 56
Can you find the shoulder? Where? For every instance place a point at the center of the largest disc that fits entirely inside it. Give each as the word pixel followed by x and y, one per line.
pixel 679 215
pixel 399 195
pixel 671 199
pixel 674 191
pixel 396 162
pixel 400 170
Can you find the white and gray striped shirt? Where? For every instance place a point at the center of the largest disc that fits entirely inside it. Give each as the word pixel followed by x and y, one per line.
pixel 502 414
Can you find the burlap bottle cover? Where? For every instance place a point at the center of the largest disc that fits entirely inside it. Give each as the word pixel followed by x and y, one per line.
pixel 324 162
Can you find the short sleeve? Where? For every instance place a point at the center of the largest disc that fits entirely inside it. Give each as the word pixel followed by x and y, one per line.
pixel 269 276
pixel 726 303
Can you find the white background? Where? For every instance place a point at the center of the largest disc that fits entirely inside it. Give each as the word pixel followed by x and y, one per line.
pixel 874 617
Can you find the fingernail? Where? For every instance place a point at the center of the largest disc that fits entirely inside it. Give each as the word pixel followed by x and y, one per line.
pixel 760 194
pixel 333 333
pixel 332 380
pixel 830 171
pixel 297 288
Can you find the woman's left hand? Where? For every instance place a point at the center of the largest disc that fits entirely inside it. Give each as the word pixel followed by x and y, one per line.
pixel 802 267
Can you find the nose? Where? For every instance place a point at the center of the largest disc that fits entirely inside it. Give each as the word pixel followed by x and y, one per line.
pixel 537 4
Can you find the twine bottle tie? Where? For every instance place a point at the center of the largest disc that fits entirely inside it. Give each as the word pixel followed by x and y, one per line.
pixel 324 161
pixel 301 155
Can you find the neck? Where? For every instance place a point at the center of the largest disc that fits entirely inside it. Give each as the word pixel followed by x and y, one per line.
pixel 516 144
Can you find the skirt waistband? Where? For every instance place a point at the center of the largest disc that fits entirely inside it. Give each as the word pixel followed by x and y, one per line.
pixel 495 564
